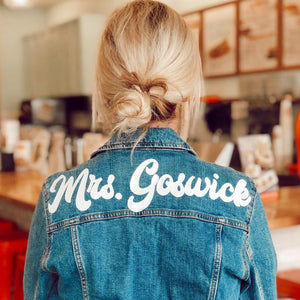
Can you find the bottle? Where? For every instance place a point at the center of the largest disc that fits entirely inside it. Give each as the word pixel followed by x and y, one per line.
pixel 57 161
pixel 277 141
pixel 68 153
pixel 286 123
pixel 297 138
pixel 10 134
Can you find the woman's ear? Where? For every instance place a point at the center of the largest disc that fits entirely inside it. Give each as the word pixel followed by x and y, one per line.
pixel 183 119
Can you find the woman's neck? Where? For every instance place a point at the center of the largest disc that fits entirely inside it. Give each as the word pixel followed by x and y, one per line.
pixel 170 123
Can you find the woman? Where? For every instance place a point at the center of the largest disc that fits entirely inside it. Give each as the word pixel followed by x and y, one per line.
pixel 144 218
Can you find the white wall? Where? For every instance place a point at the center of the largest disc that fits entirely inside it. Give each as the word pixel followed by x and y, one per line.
pixel 91 26
pixel 72 9
pixel 14 25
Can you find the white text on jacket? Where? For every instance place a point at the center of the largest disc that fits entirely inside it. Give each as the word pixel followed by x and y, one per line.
pixel 86 187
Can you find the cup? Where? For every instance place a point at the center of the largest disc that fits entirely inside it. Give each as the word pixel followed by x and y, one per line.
pixel 22 155
pixel 10 135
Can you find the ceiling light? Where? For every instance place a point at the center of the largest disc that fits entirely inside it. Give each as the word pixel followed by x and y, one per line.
pixel 17 3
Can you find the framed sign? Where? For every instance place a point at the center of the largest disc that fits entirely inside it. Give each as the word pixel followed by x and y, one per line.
pixel 193 21
pixel 219 40
pixel 290 33
pixel 258 35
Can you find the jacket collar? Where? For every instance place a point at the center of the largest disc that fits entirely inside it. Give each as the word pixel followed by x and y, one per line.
pixel 155 138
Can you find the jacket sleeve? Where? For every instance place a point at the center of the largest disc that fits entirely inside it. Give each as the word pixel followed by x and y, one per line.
pixel 34 273
pixel 261 256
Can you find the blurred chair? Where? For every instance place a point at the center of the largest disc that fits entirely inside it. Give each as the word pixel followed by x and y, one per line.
pixel 6 226
pixel 18 277
pixel 11 244
pixel 288 284
pixel 297 139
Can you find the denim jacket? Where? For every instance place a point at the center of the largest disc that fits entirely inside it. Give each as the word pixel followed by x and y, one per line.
pixel 152 223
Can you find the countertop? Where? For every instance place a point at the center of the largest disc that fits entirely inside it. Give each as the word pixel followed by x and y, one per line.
pixel 284 211
pixel 22 189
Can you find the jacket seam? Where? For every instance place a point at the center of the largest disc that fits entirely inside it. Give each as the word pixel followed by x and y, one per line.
pixel 142 144
pixel 251 204
pixel 246 241
pixel 245 260
pixel 146 147
pixel 105 216
pixel 47 249
pixel 256 273
pixel 79 263
pixel 217 263
pixel 249 249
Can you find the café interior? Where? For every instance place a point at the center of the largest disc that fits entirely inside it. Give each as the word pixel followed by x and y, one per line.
pixel 249 116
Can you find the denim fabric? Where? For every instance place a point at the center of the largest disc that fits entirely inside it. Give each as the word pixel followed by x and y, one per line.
pixel 153 223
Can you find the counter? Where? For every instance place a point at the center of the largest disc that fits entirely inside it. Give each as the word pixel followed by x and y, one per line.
pixel 19 193
pixel 285 211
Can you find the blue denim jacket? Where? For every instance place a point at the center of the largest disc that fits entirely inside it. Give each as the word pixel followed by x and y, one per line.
pixel 160 224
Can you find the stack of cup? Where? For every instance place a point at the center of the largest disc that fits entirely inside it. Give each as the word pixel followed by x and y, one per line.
pixel 10 134
pixel 22 155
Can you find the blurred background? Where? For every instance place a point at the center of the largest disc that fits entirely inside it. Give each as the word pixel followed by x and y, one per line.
pixel 249 116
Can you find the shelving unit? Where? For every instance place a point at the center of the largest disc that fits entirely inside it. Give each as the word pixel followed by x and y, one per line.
pixel 60 60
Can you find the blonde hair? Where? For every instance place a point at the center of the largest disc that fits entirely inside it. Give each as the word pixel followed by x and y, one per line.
pixel 148 63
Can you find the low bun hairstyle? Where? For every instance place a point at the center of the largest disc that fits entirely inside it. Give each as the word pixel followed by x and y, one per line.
pixel 148 63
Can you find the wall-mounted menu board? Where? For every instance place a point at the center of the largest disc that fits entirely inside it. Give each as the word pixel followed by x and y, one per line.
pixel 219 44
pixel 258 35
pixel 248 36
pixel 290 33
pixel 193 21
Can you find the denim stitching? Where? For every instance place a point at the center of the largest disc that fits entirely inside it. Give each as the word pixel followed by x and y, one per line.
pixel 245 260
pixel 142 144
pixel 250 254
pixel 47 250
pixel 148 147
pixel 251 204
pixel 217 264
pixel 78 261
pixel 36 290
pixel 147 213
pixel 145 146
pixel 47 199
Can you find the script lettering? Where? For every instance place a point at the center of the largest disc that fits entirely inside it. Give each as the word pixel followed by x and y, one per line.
pixel 144 184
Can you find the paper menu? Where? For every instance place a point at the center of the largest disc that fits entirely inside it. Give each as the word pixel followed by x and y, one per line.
pixel 258 35
pixel 291 33
pixel 219 40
